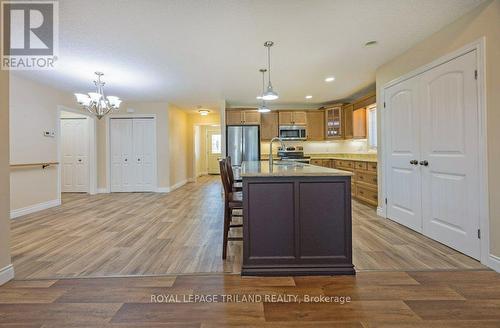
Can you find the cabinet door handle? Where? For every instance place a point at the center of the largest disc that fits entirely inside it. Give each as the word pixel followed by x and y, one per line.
pixel 414 162
pixel 126 159
pixel 424 163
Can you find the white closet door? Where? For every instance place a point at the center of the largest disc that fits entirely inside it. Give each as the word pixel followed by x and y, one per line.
pixel 450 182
pixel 121 137
pixel 143 148
pixel 403 178
pixel 75 155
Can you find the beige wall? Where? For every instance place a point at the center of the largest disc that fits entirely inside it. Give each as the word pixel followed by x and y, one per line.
pixel 483 21
pixel 33 109
pixel 4 171
pixel 178 145
pixel 160 110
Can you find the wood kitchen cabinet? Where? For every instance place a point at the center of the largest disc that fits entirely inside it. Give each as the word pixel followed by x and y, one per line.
pixel 347 122
pixel 364 182
pixel 359 124
pixel 293 118
pixel 269 125
pixel 242 117
pixel 315 125
pixel 333 122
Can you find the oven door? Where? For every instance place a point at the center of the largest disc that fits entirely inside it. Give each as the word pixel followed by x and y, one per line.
pixel 292 133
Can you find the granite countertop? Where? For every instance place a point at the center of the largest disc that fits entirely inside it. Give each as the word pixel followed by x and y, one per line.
pixel 262 169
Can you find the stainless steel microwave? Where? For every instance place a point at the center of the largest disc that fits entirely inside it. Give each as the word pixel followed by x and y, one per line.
pixel 293 132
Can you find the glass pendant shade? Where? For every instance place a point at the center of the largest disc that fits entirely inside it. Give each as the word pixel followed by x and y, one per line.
pixel 270 94
pixel 94 96
pixel 82 99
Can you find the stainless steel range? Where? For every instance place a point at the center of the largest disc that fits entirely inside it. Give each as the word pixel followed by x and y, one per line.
pixel 293 154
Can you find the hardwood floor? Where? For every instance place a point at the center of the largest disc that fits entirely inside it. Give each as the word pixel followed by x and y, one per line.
pixel 181 232
pixel 453 299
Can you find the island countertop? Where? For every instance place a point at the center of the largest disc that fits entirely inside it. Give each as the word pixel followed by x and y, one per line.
pixel 292 169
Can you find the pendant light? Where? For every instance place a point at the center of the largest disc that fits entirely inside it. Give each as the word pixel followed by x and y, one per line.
pixel 270 94
pixel 263 108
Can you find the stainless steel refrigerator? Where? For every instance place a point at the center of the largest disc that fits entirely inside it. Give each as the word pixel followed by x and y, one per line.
pixel 243 143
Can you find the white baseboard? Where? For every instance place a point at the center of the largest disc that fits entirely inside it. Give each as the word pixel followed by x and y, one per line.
pixel 34 208
pixel 494 262
pixel 192 180
pixel 381 211
pixel 102 191
pixel 178 185
pixel 6 274
pixel 162 189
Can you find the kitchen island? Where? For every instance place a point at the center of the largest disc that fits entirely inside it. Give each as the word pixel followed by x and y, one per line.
pixel 296 219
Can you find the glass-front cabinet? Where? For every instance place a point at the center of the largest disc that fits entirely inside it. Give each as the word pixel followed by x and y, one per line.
pixel 333 121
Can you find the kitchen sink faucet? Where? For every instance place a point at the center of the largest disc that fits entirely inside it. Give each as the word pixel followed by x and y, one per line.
pixel 271 148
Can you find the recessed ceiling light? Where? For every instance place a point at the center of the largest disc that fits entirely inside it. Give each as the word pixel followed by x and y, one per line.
pixel 371 43
pixel 308 97
pixel 330 79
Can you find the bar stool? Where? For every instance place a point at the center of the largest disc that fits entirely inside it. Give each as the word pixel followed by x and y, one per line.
pixel 228 158
pixel 236 186
pixel 232 201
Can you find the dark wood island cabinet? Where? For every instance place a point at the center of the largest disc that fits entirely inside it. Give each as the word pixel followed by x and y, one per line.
pixel 296 220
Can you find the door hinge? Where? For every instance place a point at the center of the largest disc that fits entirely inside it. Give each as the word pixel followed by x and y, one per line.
pixel 478 233
pixel 384 104
pixel 475 74
pixel 386 201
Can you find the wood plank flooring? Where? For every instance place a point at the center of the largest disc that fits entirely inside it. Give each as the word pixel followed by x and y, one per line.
pixel 181 232
pixel 451 299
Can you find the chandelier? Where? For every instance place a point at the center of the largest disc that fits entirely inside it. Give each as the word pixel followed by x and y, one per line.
pixel 96 102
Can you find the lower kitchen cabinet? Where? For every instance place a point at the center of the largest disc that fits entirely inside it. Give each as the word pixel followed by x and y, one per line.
pixel 364 182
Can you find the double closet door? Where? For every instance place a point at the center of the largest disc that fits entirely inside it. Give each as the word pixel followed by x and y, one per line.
pixel 432 170
pixel 132 154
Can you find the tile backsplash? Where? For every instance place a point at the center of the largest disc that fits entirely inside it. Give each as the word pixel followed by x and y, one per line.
pixel 325 147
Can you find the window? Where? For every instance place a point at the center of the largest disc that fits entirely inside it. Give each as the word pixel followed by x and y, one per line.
pixel 216 144
pixel 372 127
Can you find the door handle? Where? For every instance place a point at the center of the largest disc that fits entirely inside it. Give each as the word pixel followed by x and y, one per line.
pixel 80 160
pixel 424 163
pixel 414 162
pixel 138 159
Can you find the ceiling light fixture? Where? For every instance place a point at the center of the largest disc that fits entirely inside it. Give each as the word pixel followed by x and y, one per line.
pixel 96 102
pixel 203 112
pixel 263 108
pixel 330 79
pixel 371 43
pixel 270 94
pixel 308 97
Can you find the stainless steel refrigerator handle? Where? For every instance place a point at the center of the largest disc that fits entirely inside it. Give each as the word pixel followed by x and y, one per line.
pixel 243 148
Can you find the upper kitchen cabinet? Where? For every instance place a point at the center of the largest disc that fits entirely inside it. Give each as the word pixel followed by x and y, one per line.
pixel 293 118
pixel 269 125
pixel 347 121
pixel 359 124
pixel 316 125
pixel 333 122
pixel 242 117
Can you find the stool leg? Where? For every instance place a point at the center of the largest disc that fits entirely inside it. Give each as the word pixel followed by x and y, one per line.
pixel 227 220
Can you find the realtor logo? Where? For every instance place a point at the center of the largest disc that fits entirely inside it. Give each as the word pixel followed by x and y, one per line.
pixel 29 35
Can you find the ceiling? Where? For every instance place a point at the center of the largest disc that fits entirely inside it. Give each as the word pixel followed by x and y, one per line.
pixel 200 52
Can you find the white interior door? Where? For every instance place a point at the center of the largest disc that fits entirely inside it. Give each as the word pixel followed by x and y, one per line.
pixel 122 171
pixel 75 155
pixel 214 151
pixel 403 175
pixel 143 165
pixel 450 143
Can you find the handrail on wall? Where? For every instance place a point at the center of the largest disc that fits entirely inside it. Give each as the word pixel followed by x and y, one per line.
pixel 42 164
